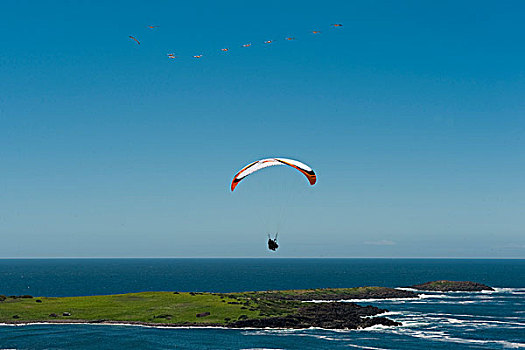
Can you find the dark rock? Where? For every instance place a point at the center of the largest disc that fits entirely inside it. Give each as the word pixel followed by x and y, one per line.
pixel 373 321
pixel 38 300
pixel 3 297
pixel 324 315
pixel 16 316
pixel 12 296
pixel 25 296
pixel 244 308
pixel 175 292
pixel 166 316
pixel 452 286
pixel 233 302
pixel 53 315
pixel 66 314
pixel 203 314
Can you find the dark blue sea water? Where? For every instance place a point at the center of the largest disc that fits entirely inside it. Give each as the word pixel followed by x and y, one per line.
pixel 492 320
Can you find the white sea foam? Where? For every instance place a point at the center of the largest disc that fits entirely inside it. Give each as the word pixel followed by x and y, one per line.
pixel 470 315
pixel 364 347
pixel 442 336
pixel 437 296
pixel 297 332
pixel 372 328
pixel 520 290
pixel 301 333
pixel 391 313
pixel 454 298
pixel 439 321
pixel 370 300
pixel 407 289
pixel 504 343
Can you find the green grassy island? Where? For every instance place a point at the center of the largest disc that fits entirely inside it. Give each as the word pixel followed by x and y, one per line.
pixel 279 309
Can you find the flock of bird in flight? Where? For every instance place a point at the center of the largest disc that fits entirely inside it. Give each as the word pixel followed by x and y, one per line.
pixel 226 49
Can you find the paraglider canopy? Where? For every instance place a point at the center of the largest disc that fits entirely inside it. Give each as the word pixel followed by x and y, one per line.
pixel 268 162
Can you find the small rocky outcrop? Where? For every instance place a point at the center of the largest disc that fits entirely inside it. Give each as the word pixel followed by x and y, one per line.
pixel 166 316
pixel 203 314
pixel 66 313
pixel 452 286
pixel 53 315
pixel 324 315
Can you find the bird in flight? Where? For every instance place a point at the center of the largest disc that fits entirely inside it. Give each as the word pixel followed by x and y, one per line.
pixel 316 32
pixel 268 41
pixel 197 56
pixel 133 38
pixel 290 38
pixel 171 55
pixel 246 45
pixel 225 49
pixel 152 27
pixel 337 25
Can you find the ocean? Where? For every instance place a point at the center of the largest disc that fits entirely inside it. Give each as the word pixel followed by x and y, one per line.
pixel 485 320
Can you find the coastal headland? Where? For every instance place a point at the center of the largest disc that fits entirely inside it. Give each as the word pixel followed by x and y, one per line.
pixel 274 309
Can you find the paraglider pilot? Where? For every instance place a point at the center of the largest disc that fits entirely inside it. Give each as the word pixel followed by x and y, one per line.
pixel 272 243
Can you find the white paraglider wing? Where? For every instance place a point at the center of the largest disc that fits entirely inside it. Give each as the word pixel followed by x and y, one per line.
pixel 268 162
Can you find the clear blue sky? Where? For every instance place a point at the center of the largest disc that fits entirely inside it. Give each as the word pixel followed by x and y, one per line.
pixel 412 114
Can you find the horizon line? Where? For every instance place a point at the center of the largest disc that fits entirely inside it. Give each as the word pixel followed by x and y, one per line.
pixel 254 257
